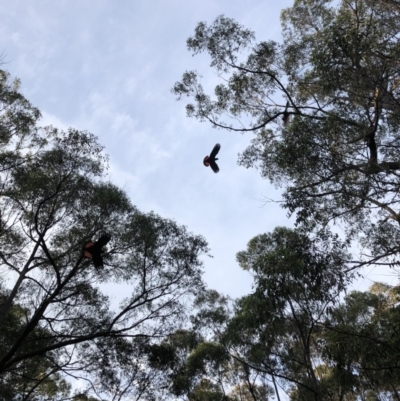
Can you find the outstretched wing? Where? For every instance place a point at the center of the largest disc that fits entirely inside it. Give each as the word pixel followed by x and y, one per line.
pixel 102 241
pixel 215 151
pixel 214 166
pixel 97 259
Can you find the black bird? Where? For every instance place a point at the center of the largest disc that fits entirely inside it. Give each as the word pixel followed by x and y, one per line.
pixel 286 114
pixel 210 160
pixel 93 251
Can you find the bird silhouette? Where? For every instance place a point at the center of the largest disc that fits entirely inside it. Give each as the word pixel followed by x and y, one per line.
pixel 210 160
pixel 93 251
pixel 286 114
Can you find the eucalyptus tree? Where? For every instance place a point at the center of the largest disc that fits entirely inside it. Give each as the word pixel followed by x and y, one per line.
pixel 336 153
pixel 295 336
pixel 294 333
pixel 361 346
pixel 74 319
pixel 270 341
pixel 273 329
pixel 34 378
pixel 199 369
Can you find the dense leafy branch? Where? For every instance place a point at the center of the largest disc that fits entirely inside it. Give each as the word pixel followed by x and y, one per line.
pixel 337 156
pixel 56 314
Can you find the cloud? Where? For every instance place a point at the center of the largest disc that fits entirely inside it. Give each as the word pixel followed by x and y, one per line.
pixel 49 119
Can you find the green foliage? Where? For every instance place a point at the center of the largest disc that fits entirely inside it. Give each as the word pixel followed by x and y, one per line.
pixel 337 159
pixel 56 315
pixel 194 368
pixel 207 391
pixel 338 156
pixel 290 263
pixel 296 279
pixel 34 378
pixel 272 335
pixel 296 331
pixel 362 343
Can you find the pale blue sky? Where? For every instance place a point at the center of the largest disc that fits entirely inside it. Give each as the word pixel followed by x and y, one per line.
pixel 107 67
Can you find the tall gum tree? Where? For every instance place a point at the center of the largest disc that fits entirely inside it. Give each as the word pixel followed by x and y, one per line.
pixel 54 198
pixel 293 337
pixel 270 341
pixel 337 70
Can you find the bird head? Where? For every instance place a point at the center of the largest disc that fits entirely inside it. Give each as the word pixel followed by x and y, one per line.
pixel 206 162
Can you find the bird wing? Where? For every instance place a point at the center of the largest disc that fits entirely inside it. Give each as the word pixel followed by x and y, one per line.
pixel 214 166
pixel 102 241
pixel 215 151
pixel 97 259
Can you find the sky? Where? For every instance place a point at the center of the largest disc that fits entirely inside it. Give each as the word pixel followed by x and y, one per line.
pixel 108 67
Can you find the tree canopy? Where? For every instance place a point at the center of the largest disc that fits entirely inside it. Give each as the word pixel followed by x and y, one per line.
pixel 324 111
pixel 56 313
pixel 337 68
pixel 293 337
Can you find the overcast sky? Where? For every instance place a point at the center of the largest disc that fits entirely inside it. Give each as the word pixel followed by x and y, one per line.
pixel 107 67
